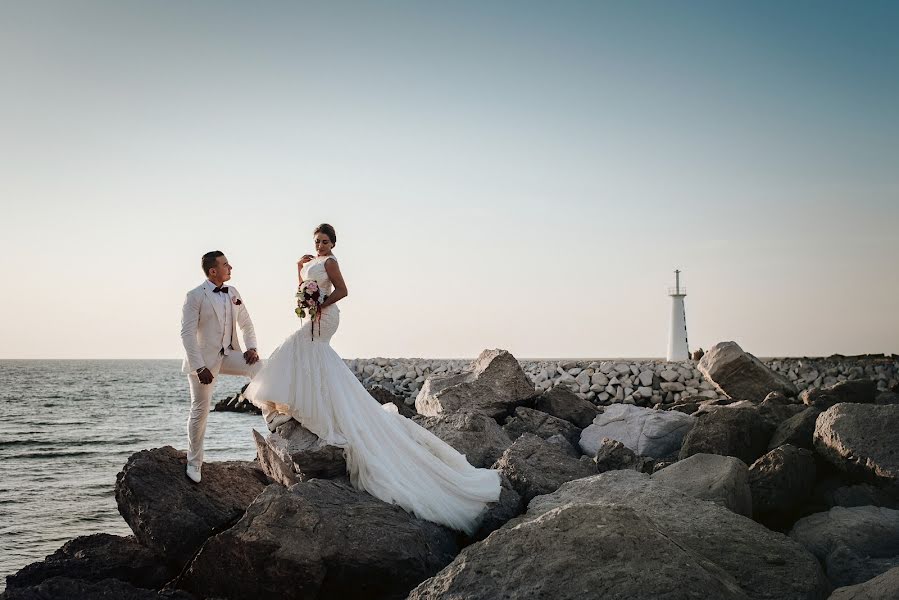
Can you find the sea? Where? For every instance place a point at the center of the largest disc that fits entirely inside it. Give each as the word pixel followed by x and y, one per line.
pixel 66 429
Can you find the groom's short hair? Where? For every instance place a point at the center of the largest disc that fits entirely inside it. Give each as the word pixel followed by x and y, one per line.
pixel 209 260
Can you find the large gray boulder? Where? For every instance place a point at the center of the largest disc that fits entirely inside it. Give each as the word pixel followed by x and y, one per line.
pixel 320 539
pixel 739 432
pixel 479 437
pixel 541 424
pixel 95 558
pixel 494 385
pixel 292 454
pixel 603 526
pixel 574 552
pixel 646 431
pixel 172 515
pixel 854 544
pixel 781 480
pixel 722 479
pixel 858 391
pixel 740 375
pixel 798 430
pixel 535 466
pixel 861 440
pixel 882 587
pixel 765 564
pixel 565 404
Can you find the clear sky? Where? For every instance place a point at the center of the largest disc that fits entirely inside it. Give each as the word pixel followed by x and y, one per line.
pixel 519 175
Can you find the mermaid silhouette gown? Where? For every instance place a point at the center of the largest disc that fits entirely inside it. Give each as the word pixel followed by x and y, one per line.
pixel 387 455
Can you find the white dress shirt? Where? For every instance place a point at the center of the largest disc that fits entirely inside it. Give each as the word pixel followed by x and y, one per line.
pixel 224 304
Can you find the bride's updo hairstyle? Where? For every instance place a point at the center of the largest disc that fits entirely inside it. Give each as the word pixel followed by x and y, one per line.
pixel 328 231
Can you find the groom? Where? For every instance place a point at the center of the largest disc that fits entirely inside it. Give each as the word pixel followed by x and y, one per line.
pixel 211 315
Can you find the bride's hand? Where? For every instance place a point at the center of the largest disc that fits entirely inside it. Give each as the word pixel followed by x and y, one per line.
pixel 306 258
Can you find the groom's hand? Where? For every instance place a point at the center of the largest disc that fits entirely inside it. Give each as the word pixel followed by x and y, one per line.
pixel 251 356
pixel 205 376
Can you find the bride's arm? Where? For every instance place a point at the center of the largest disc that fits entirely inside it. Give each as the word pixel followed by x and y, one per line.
pixel 300 264
pixel 336 278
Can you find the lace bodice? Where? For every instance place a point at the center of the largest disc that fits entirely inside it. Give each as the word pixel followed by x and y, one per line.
pixel 315 269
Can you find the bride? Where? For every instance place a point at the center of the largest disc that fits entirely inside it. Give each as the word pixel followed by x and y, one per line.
pixel 387 455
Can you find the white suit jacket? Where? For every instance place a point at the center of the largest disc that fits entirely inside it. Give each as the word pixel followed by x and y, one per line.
pixel 203 323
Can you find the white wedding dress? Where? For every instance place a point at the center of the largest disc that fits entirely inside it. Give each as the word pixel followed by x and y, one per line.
pixel 387 455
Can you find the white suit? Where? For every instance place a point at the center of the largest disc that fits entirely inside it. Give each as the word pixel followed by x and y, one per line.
pixel 209 335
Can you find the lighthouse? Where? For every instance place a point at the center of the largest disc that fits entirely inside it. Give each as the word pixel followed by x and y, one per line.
pixel 678 349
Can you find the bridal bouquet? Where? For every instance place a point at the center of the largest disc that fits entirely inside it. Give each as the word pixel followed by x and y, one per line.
pixel 309 300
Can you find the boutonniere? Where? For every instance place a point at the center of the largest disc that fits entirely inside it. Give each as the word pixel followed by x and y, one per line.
pixel 236 301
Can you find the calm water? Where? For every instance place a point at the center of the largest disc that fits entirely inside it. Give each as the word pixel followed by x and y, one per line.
pixel 66 430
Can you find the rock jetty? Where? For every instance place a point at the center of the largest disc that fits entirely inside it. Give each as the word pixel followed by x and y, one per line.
pixel 731 478
pixel 646 382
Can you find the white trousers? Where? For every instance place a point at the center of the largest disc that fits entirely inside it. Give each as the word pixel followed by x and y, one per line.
pixel 201 397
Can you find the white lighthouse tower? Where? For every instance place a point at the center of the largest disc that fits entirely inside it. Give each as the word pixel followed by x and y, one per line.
pixel 678 349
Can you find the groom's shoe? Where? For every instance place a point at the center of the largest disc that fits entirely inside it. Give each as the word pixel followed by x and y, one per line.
pixel 193 473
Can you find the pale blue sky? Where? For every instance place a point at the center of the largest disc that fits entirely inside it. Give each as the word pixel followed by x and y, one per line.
pixel 519 175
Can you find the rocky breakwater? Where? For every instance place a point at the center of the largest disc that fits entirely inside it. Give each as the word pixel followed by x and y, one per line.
pixel 644 383
pixel 647 383
pixel 729 497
